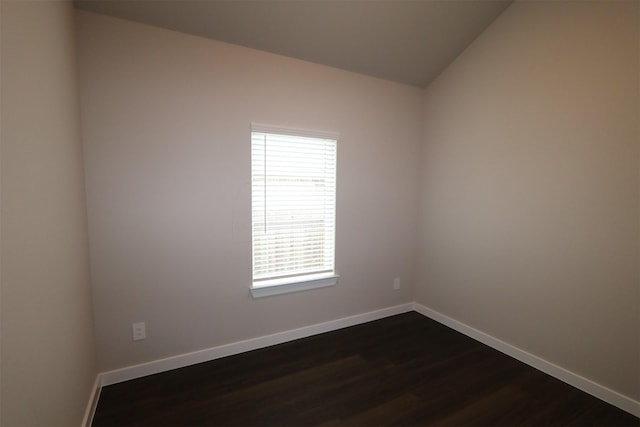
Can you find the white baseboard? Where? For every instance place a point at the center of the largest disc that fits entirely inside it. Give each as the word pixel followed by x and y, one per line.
pixel 87 420
pixel 187 359
pixel 137 371
pixel 601 392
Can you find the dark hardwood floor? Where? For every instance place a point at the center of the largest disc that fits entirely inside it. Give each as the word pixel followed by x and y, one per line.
pixel 402 370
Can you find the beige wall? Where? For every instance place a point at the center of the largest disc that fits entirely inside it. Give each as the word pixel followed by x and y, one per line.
pixel 529 218
pixel 529 215
pixel 48 356
pixel 166 123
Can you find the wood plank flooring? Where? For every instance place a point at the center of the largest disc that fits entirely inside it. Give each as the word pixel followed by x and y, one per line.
pixel 402 370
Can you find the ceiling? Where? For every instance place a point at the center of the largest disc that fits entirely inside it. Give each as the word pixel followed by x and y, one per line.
pixel 407 41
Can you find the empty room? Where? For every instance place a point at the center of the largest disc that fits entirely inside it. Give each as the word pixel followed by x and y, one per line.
pixel 289 212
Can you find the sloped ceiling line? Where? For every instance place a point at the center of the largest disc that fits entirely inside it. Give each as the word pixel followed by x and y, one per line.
pixel 407 41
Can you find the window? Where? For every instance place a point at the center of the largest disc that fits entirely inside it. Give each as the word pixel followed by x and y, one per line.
pixel 293 193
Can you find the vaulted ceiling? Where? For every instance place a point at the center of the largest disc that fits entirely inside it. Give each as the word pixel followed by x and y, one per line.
pixel 407 41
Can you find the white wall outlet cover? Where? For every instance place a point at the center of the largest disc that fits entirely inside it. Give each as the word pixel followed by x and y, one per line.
pixel 139 331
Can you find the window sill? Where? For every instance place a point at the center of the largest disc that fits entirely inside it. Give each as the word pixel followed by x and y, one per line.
pixel 296 284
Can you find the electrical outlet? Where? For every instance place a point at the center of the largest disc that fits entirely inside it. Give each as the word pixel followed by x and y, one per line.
pixel 139 331
pixel 396 283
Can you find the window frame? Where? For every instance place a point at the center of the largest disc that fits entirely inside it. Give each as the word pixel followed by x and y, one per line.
pixel 297 282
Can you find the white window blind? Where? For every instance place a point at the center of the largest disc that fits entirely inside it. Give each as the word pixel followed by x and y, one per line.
pixel 293 185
